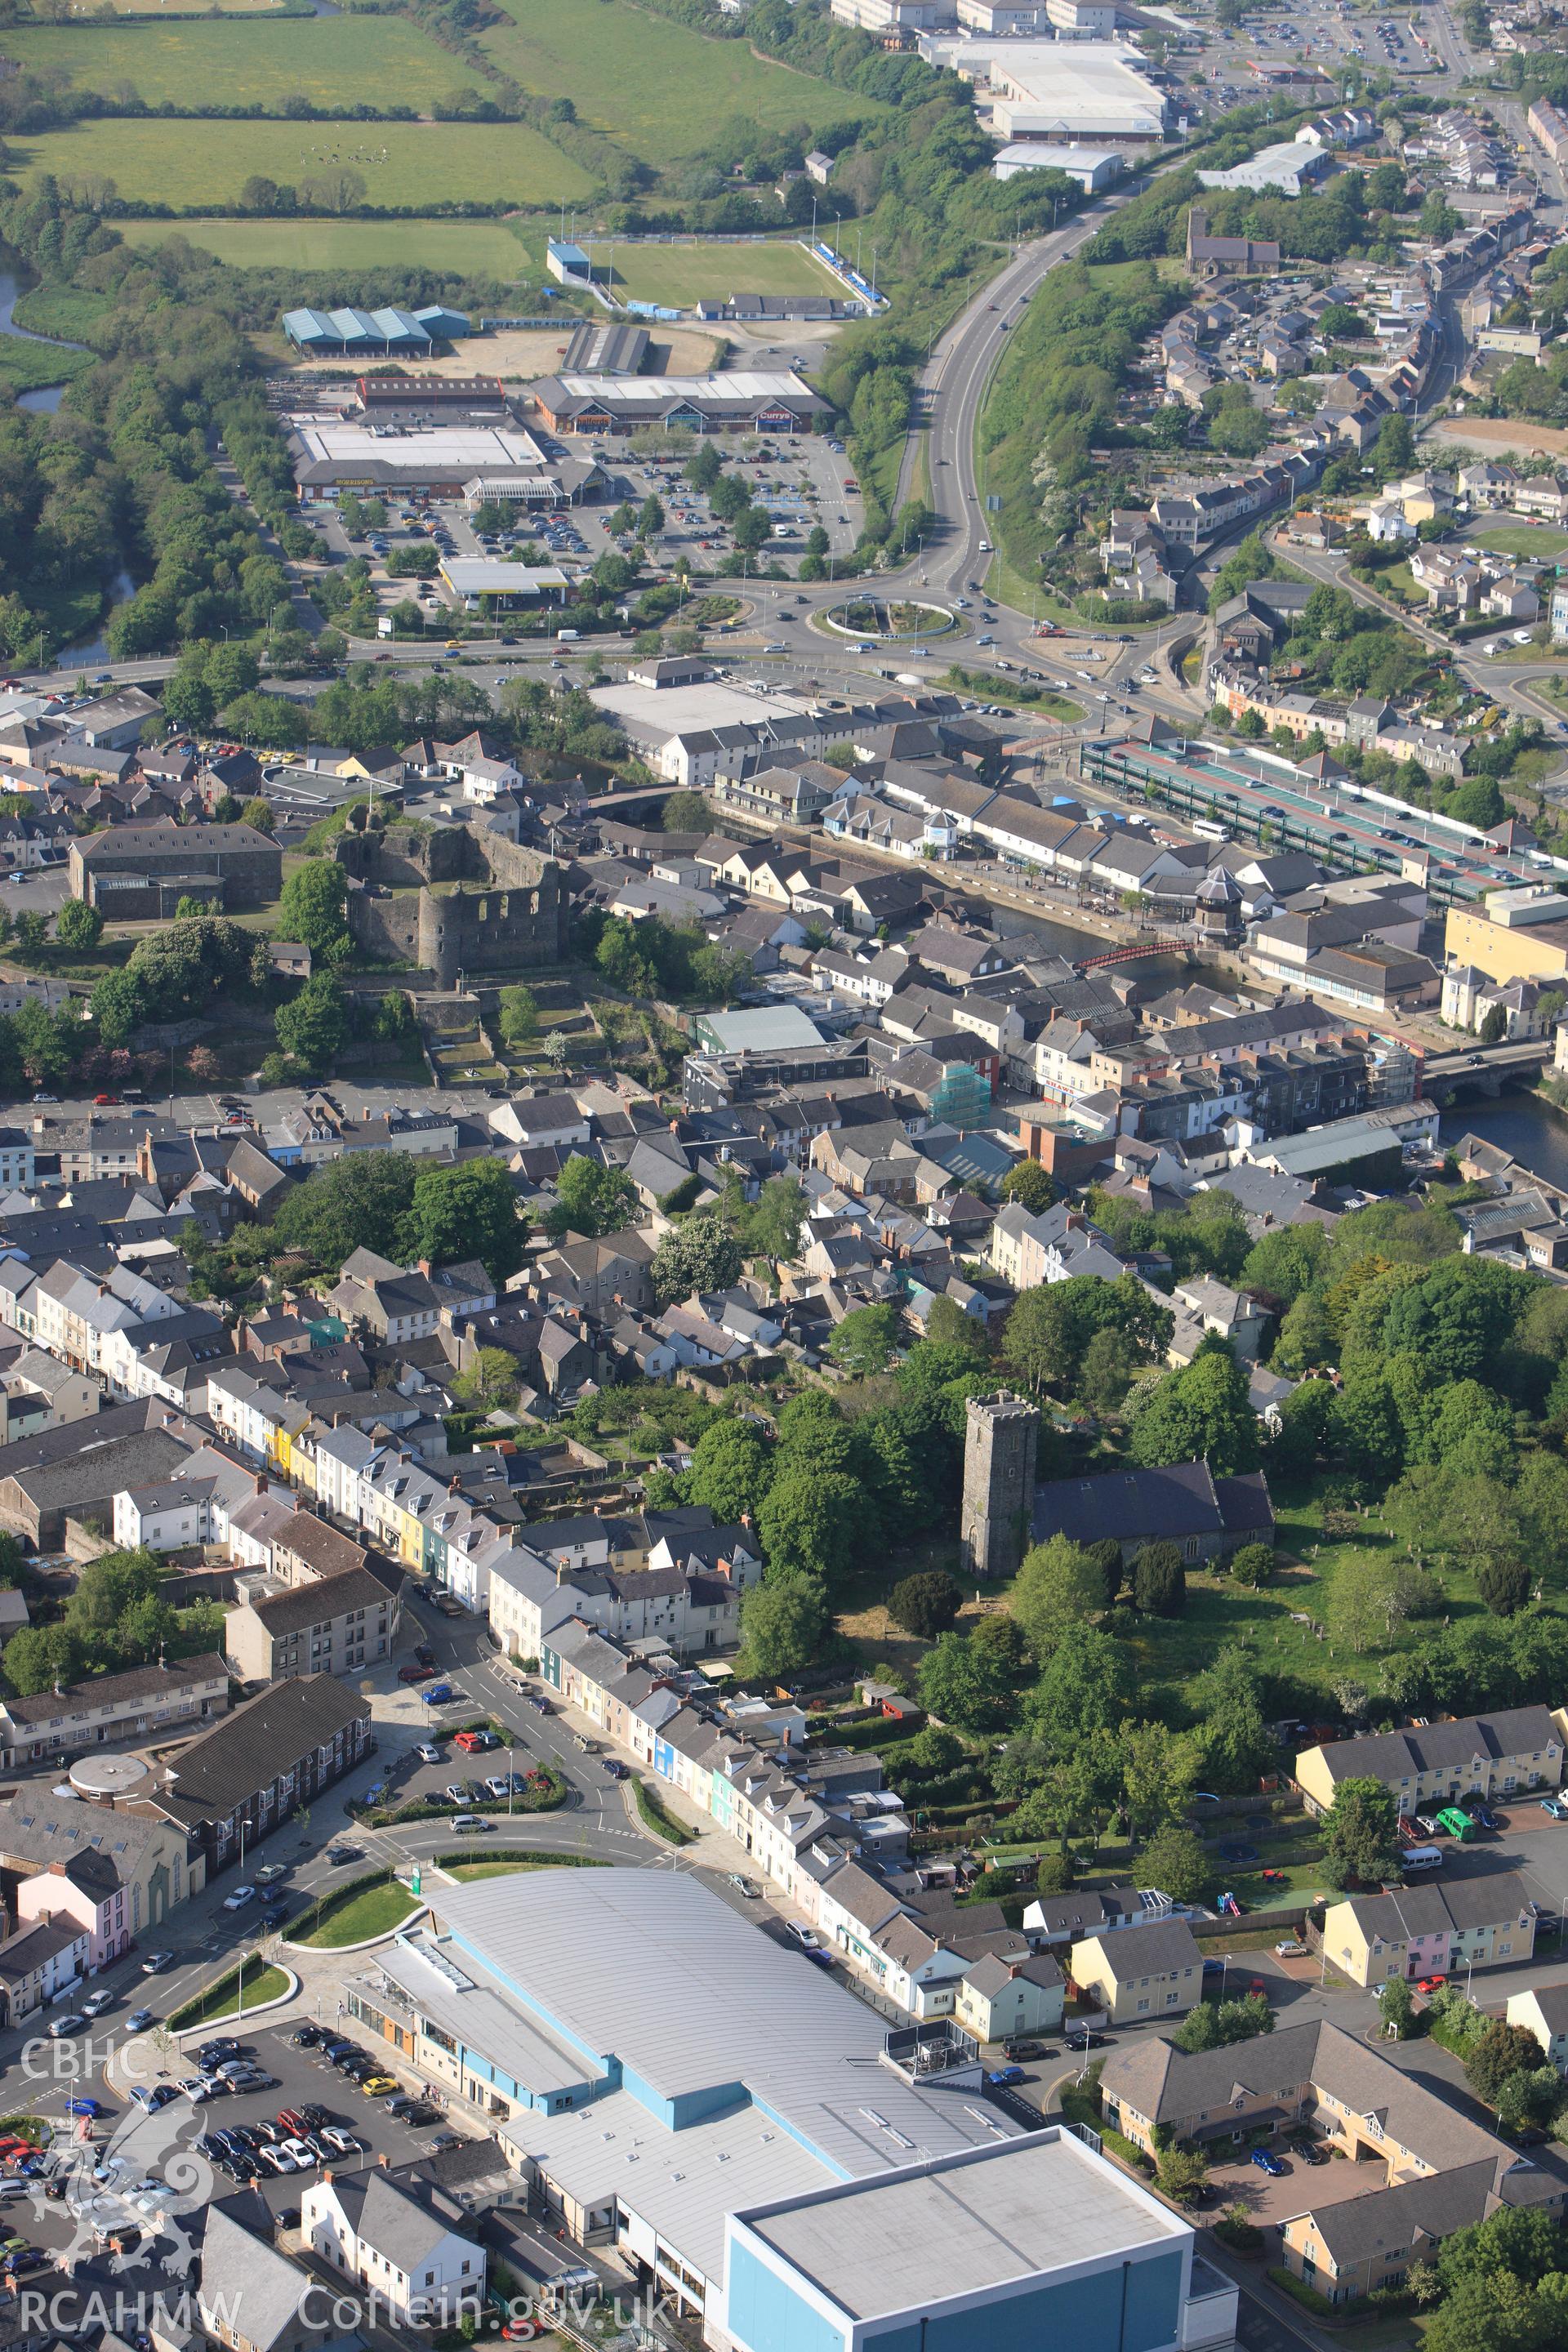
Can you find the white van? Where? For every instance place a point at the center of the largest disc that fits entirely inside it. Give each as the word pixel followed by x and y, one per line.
pixel 1421 1857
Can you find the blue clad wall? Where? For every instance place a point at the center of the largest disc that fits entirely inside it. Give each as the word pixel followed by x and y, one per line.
pixel 766 2315
pixel 1085 2314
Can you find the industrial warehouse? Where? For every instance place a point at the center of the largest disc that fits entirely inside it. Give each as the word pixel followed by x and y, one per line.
pixel 1096 93
pixel 473 459
pixel 334 334
pixel 783 2168
pixel 745 402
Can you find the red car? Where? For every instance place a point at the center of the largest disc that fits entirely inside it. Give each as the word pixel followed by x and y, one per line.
pixel 415 1673
pixel 1430 1984
pixel 98 1101
pixel 1257 1985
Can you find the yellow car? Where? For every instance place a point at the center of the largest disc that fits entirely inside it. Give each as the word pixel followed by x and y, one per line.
pixel 375 2086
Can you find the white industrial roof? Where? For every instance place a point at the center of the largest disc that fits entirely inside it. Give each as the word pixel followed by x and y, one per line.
pixel 652 1969
pixel 735 383
pixel 886 2246
pixel 1058 89
pixel 479 576
pixel 684 2185
pixel 468 448
pixel 483 2014
pixel 666 710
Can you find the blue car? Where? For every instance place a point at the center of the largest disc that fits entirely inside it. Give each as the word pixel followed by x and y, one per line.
pixel 86 2107
pixel 438 1693
pixel 1267 2161
pixel 1004 2075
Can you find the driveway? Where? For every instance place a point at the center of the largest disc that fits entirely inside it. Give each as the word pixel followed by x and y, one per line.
pixel 1270 2202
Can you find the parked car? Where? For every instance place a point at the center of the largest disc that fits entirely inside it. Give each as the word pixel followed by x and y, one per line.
pixel 1267 2161
pixel 239 1898
pixel 1556 1806
pixel 1003 2077
pixel 415 1673
pixel 427 1753
pixel 1021 2050
pixel 156 1963
pixel 806 1937
pixel 1430 1984
pixel 743 1885
pixel 1289 1948
pixel 1311 2152
pixel 1086 2039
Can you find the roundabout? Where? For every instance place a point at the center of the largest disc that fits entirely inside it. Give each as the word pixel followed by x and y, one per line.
pixel 892 621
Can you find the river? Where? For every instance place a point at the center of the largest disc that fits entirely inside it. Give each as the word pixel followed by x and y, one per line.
pixel 46 396
pixel 1524 1124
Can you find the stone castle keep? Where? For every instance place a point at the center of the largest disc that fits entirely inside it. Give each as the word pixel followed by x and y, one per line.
pixel 454 900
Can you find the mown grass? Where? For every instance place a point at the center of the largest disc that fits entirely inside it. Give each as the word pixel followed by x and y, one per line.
pixel 354 1913
pixel 262 1982
pixel 470 248
pixel 1534 539
pixel 400 162
pixel 680 275
pixel 331 60
pixel 656 88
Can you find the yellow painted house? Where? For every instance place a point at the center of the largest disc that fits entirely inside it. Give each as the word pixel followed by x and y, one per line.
pixel 1436 1764
pixel 1140 1972
pixel 1428 2170
pixel 1432 1929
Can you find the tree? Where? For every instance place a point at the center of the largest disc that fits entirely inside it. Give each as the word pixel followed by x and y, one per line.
pixel 1371 1597
pixel 1175 1861
pixel 963 1686
pixel 1499 2050
pixel 812 1520
pixel 1087 1687
pixel 1159 1767
pixel 650 517
pixel 592 1198
pixel 1503 1585
pixel 257 813
pixel 1494 1026
pixel 925 1604
pixel 493 1378
pixel 1106 1372
pixel 864 1342
pixel 39 1656
pixel 468 1211
pixel 1252 1565
pixel 313 906
pixel 518 1008
pixel 731 1465
pixel 770 1225
pixel 1049 1328
pixel 359 1202
pixel 1058 1585
pixel 686 812
pixel 696 1255
pixel 1159 1580
pixel 1233 1742
pixel 1359 1837
pixel 78 925
pixel 1054 1874
pixel 315 1026
pixel 784 1623
pixel 1028 1183
pixel 1396 2008
pixel 1181 2172
pixel 1200 1409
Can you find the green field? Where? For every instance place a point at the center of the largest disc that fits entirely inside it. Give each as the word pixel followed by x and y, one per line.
pixel 469 248
pixel 70 311
pixel 331 60
pixel 656 87
pixel 680 275
pixel 177 7
pixel 1535 538
pixel 400 162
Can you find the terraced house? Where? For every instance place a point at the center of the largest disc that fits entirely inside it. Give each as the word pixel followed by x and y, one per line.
pixel 1426 2170
pixel 1418 1931
pixel 1438 1763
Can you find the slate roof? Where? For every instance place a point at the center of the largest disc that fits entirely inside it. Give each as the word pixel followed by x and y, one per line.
pixel 1136 1506
pixel 1442 1746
